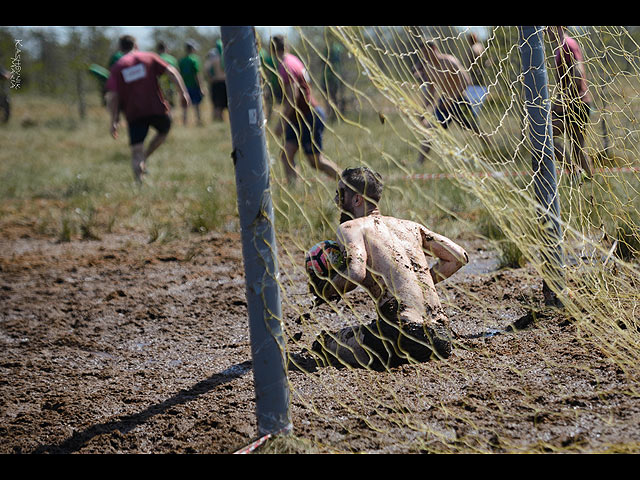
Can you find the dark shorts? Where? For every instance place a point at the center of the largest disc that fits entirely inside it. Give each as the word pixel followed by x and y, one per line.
pixel 195 94
pixel 384 343
pixel 576 115
pixel 307 131
pixel 218 92
pixel 459 111
pixel 139 128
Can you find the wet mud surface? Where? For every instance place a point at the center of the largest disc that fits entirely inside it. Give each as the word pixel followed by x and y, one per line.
pixel 120 346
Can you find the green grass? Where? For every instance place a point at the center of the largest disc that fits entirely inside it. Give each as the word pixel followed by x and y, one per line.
pixel 68 179
pixel 74 181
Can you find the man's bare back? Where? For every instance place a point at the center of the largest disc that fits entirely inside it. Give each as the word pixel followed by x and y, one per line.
pixel 388 257
pixel 444 83
pixel 397 267
pixel 448 76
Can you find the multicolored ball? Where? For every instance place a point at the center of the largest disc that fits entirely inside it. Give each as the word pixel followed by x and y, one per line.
pixel 321 262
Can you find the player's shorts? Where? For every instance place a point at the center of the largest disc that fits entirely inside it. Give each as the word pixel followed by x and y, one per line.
pixel 276 91
pixel 576 114
pixel 219 94
pixel 384 343
pixel 307 131
pixel 459 110
pixel 139 128
pixel 195 94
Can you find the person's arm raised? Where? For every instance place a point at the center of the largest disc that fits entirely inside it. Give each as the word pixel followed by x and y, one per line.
pixel 176 78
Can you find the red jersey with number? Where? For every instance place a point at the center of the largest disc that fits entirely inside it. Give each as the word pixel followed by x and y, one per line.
pixel 135 79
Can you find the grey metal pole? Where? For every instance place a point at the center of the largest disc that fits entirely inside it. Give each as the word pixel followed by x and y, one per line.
pixel 244 92
pixel 538 109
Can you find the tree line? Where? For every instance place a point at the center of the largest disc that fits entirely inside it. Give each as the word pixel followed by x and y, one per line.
pixel 54 61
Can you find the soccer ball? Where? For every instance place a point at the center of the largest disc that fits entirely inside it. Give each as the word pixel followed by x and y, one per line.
pixel 324 258
pixel 321 262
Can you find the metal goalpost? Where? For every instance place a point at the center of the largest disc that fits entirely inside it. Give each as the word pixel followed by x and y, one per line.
pixel 255 209
pixel 537 106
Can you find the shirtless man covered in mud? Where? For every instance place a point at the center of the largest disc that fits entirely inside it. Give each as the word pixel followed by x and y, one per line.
pixel 387 256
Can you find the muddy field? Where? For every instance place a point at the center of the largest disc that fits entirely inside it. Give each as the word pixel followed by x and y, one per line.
pixel 120 346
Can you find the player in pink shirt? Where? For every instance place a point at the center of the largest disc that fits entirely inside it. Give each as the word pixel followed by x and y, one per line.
pixel 133 89
pixel 572 107
pixel 303 117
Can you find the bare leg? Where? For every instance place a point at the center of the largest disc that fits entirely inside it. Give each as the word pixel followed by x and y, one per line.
pixel 579 155
pixel 155 142
pixel 425 148
pixel 319 162
pixel 288 161
pixel 137 161
pixel 425 145
pixel 579 159
pixel 557 126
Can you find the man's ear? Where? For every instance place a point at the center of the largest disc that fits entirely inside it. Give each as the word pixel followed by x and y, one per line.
pixel 357 200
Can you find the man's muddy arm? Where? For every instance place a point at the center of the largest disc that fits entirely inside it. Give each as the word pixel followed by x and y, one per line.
pixel 451 256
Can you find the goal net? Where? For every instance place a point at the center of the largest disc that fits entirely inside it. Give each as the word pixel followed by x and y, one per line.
pixel 520 369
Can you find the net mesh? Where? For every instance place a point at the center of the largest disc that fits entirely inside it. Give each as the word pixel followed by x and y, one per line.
pixel 475 184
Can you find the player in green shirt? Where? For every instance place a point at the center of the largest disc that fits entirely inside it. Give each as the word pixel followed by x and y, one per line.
pixel 190 69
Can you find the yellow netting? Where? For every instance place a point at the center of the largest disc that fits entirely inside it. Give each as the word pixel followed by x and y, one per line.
pixel 472 185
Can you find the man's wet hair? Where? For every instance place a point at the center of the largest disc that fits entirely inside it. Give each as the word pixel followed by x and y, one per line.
pixel 126 43
pixel 364 181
